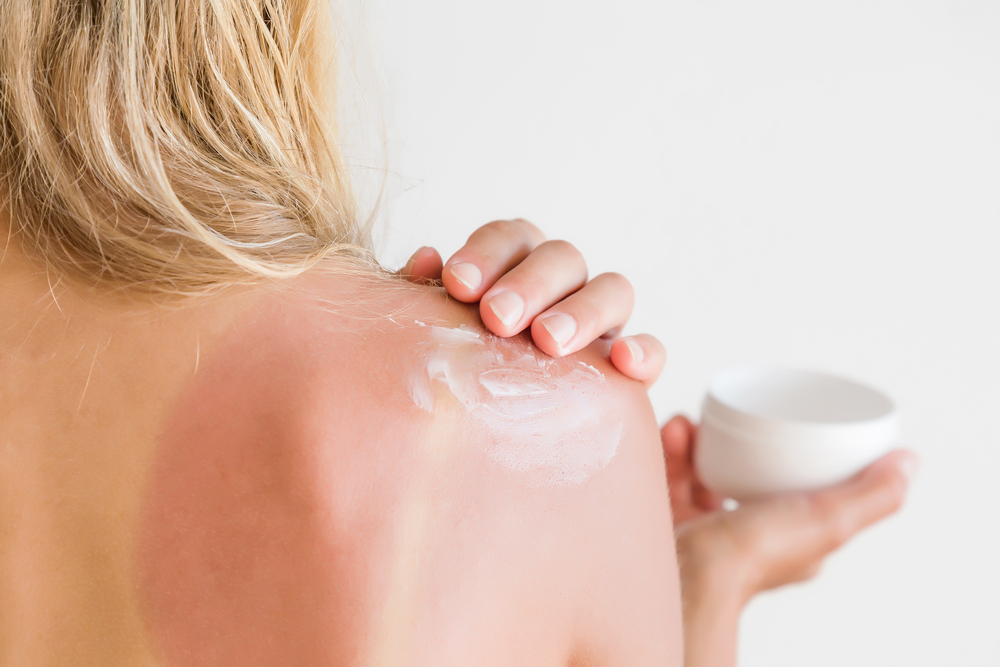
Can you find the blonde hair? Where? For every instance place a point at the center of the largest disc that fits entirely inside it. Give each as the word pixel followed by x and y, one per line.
pixel 173 145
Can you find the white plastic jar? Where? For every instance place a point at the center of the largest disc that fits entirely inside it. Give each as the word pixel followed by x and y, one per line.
pixel 773 430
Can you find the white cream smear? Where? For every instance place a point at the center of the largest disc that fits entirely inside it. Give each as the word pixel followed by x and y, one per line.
pixel 540 414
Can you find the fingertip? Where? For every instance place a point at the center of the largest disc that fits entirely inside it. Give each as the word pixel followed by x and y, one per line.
pixel 423 266
pixel 899 462
pixel 675 425
pixel 905 465
pixel 407 270
pixel 562 328
pixel 909 464
pixel 502 312
pixel 556 334
pixel 634 349
pixel 467 274
pixel 623 357
pixel 640 357
pixel 674 435
pixel 463 279
pixel 706 499
pixel 688 425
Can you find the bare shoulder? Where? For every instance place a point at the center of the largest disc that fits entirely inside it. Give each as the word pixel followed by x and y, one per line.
pixel 376 479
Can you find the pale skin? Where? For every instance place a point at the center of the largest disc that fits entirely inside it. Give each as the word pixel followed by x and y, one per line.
pixel 169 493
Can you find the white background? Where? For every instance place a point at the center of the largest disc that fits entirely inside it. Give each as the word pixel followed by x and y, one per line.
pixel 804 183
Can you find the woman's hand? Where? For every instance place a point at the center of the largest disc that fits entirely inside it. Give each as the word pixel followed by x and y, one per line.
pixel 521 281
pixel 726 558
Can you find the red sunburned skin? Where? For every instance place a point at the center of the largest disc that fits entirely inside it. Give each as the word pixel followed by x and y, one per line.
pixel 243 558
pixel 304 508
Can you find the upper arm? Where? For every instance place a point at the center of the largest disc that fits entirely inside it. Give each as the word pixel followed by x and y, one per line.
pixel 556 525
pixel 632 608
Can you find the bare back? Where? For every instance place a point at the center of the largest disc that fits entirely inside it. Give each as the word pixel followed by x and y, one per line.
pixel 343 472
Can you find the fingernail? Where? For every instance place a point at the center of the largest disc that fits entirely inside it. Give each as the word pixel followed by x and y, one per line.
pixel 635 349
pixel 508 306
pixel 468 274
pixel 561 327
pixel 909 466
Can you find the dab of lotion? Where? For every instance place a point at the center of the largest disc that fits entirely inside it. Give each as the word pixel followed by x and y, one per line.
pixel 540 414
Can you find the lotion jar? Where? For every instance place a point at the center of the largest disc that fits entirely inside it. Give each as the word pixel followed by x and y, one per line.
pixel 773 430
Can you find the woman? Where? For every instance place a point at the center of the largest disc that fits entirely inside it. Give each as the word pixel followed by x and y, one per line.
pixel 230 438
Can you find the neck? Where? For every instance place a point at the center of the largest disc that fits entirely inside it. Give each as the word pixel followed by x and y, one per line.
pixel 28 287
pixel 42 313
pixel 30 306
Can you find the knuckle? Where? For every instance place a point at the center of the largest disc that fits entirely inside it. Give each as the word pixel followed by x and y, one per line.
pixel 560 245
pixel 533 287
pixel 530 229
pixel 505 228
pixel 565 249
pixel 588 315
pixel 510 234
pixel 620 285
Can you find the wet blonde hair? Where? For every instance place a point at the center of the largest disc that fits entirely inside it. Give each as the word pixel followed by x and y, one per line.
pixel 173 145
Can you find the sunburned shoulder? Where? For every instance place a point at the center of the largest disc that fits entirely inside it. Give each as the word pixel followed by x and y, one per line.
pixel 411 358
pixel 380 480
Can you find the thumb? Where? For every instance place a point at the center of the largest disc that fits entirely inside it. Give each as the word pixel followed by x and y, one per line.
pixel 677 436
